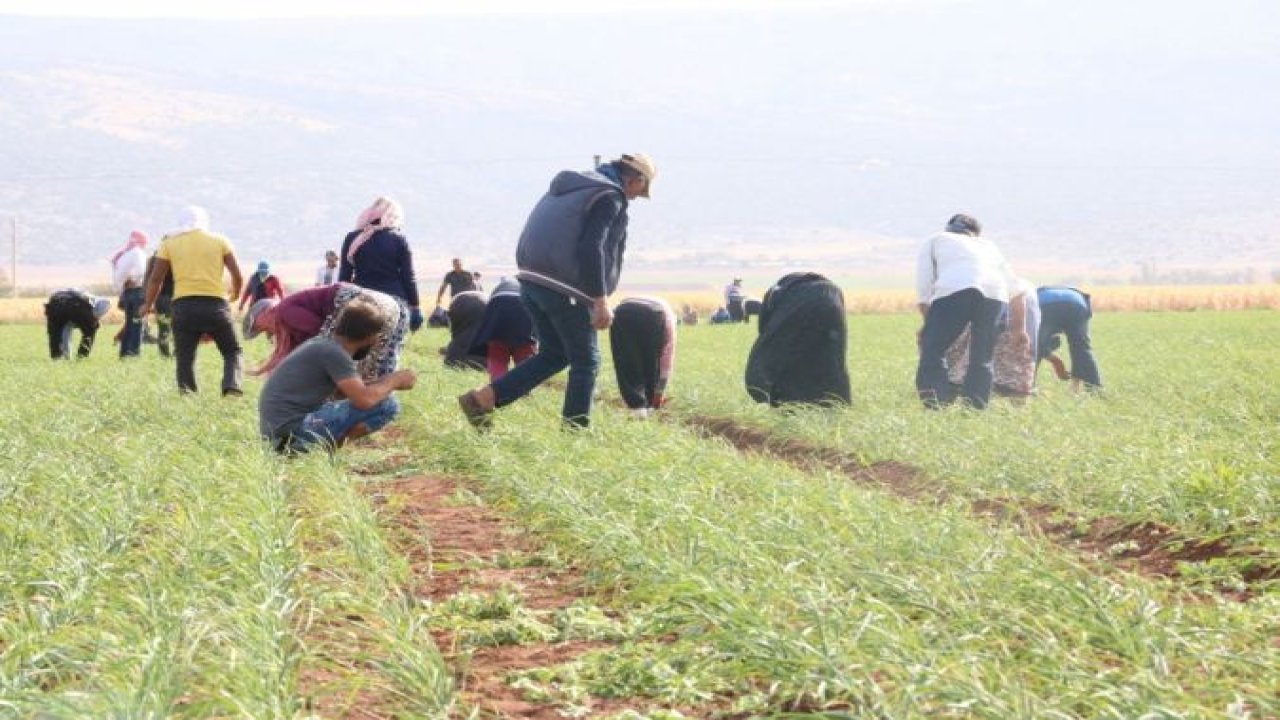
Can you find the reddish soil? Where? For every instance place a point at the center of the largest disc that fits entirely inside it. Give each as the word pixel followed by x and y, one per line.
pixel 451 547
pixel 329 694
pixel 433 532
pixel 1148 548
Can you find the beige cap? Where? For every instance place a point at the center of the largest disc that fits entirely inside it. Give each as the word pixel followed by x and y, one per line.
pixel 643 165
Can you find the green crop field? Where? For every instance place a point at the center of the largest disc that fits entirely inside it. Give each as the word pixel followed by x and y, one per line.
pixel 1081 556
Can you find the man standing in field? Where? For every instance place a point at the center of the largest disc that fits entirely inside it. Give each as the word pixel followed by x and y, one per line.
pixel 457 281
pixel 128 270
pixel 293 410
pixel 734 297
pixel 197 258
pixel 569 256
pixel 328 272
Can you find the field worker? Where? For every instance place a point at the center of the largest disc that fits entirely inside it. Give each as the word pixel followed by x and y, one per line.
pixel 1067 311
pixel 570 256
pixel 734 299
pixel 294 411
pixel 961 279
pixel 505 336
pixel 688 315
pixel 73 309
pixel 163 308
pixel 643 342
pixel 439 318
pixel 376 255
pixel 466 310
pixel 457 281
pixel 1014 358
pixel 327 274
pixel 799 353
pixel 128 271
pixel 197 258
pixel 312 312
pixel 261 286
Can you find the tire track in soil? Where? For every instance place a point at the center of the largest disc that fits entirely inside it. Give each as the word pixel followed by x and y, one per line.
pixel 1147 547
pixel 443 541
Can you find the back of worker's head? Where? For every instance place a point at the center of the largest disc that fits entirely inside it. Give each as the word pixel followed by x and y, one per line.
pixel 964 224
pixel 360 320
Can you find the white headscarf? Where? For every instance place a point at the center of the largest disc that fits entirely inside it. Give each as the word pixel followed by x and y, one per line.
pixel 192 217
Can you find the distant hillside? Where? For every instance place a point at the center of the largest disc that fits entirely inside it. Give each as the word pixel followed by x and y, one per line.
pixel 837 139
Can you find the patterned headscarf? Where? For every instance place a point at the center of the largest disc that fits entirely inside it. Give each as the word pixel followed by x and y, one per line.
pixel 137 239
pixel 264 317
pixel 383 213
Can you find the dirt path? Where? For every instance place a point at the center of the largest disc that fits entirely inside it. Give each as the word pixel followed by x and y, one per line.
pixel 452 548
pixel 1148 548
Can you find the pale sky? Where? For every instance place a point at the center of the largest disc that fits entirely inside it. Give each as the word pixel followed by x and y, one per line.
pixel 366 8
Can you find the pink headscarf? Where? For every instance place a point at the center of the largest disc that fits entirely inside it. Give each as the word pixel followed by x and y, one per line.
pixel 137 239
pixel 383 213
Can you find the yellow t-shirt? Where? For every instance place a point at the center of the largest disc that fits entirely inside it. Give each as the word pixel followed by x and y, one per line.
pixel 196 258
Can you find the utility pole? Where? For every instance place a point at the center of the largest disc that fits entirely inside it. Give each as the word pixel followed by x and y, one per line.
pixel 595 161
pixel 13 265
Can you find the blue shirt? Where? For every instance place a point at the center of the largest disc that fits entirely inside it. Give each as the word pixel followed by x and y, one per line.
pixel 1051 295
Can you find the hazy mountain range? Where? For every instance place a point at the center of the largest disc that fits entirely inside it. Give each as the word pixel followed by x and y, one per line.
pixel 1090 137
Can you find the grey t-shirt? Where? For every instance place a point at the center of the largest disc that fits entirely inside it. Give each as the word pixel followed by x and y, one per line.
pixel 301 384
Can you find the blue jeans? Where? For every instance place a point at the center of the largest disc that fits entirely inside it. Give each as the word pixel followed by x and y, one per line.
pixel 566 338
pixel 328 425
pixel 1071 320
pixel 945 320
pixel 131 341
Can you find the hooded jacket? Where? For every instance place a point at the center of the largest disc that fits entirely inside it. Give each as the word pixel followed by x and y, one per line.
pixel 575 238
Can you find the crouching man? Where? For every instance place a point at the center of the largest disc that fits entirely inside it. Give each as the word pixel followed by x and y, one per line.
pixel 294 410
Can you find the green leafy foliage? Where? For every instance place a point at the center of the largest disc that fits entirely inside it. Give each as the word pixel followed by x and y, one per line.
pixel 158 561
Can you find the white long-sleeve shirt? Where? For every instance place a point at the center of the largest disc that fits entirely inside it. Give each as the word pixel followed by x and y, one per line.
pixel 130 269
pixel 326 275
pixel 950 262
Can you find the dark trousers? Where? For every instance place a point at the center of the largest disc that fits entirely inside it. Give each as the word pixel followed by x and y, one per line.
pixel 131 341
pixel 945 320
pixel 164 325
pixel 194 317
pixel 636 339
pixel 1073 321
pixel 737 310
pixel 566 338
pixel 75 312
